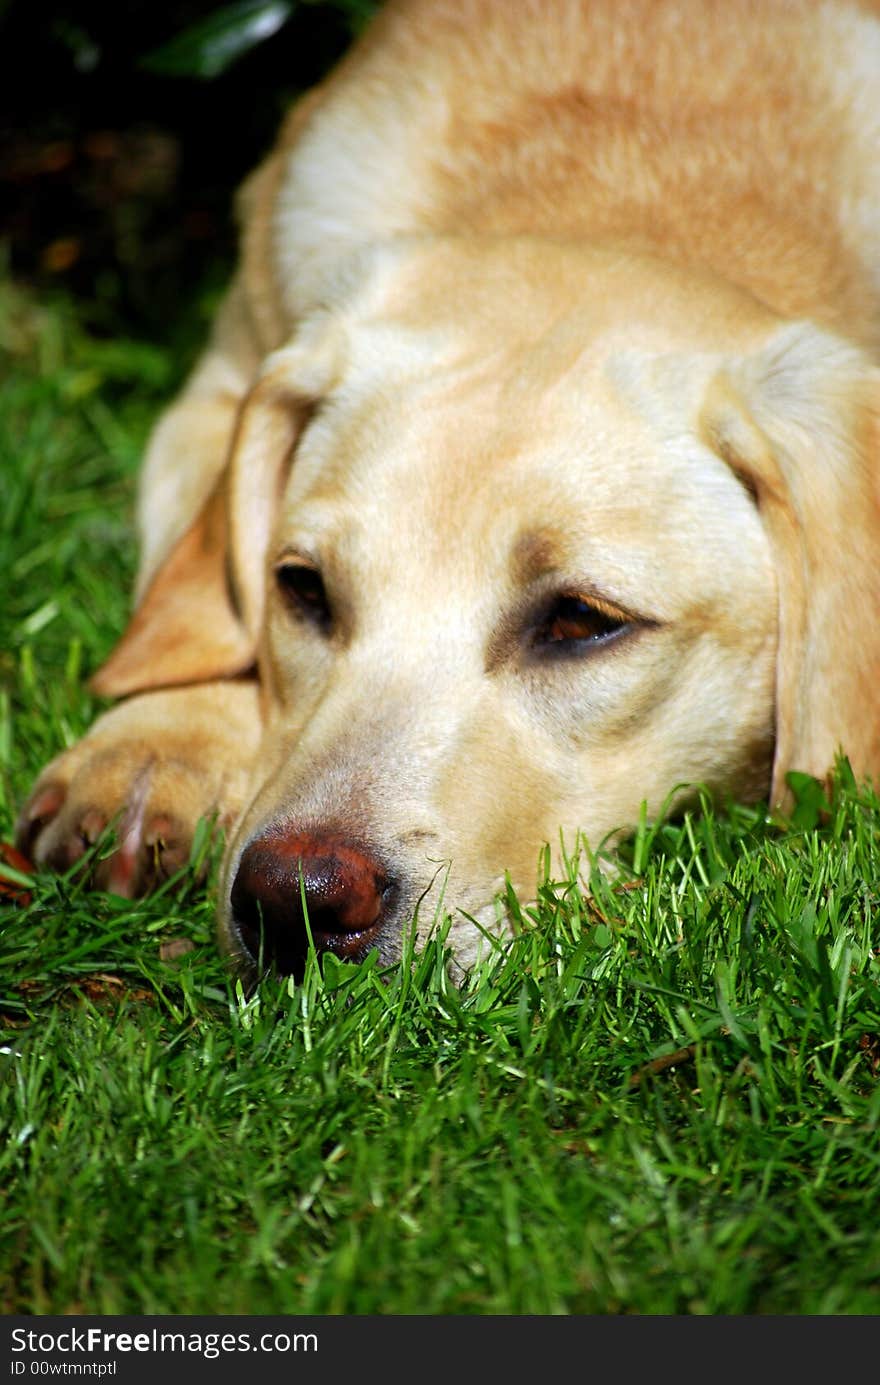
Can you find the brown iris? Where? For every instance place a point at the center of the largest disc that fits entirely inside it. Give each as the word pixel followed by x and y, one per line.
pixel 577 621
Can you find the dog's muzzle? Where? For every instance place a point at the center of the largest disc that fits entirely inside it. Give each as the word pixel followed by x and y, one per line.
pixel 289 885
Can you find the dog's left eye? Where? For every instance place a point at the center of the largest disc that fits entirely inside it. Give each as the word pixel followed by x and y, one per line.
pixel 302 587
pixel 572 621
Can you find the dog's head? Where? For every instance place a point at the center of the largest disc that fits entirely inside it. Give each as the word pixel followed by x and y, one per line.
pixel 523 539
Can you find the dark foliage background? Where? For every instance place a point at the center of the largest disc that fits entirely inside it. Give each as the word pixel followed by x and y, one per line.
pixel 125 129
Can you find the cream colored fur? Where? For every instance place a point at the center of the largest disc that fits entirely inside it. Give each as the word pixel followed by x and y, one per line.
pixel 551 298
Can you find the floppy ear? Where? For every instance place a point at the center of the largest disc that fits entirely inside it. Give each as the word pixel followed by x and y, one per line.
pixel 798 423
pixel 200 617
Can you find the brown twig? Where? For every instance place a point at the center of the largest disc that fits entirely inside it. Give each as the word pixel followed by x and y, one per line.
pixel 668 1060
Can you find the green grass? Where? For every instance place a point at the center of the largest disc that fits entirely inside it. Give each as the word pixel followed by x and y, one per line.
pixel 385 1143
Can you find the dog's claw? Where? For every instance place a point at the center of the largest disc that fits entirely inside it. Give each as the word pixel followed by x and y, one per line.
pixel 42 808
pixel 91 825
pixel 166 844
pixel 121 874
pixel 159 832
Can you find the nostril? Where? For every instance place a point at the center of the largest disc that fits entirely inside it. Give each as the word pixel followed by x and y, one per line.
pixel 346 893
pixel 252 899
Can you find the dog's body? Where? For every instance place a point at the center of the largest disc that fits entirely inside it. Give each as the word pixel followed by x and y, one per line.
pixel 570 310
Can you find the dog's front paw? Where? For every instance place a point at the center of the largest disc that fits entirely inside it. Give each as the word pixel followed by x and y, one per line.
pixel 149 769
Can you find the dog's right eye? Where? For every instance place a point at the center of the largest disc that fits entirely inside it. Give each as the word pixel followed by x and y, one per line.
pixel 302 587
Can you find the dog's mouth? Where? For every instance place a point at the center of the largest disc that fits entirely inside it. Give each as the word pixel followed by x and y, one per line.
pixel 286 954
pixel 352 945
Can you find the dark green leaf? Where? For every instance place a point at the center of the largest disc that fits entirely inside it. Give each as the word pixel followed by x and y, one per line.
pixel 208 48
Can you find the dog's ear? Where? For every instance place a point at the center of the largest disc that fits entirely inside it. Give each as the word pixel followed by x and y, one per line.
pixel 798 422
pixel 200 616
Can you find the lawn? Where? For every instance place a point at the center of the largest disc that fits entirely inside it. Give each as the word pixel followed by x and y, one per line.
pixel 660 1096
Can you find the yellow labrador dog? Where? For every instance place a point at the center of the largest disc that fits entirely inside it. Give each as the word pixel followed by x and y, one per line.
pixel 532 470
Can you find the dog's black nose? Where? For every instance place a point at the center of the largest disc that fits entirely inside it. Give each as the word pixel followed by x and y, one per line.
pixel 345 892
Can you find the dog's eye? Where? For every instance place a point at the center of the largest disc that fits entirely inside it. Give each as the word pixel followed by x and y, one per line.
pixel 573 622
pixel 302 587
